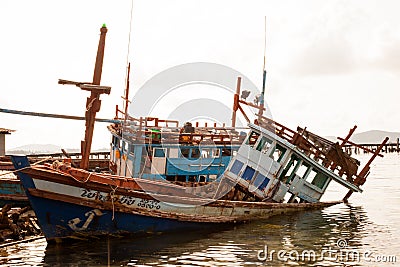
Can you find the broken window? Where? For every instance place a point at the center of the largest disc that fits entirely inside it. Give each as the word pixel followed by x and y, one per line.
pixel 302 170
pixel 264 144
pixel 278 153
pixel 312 174
pixel 288 173
pixel 252 139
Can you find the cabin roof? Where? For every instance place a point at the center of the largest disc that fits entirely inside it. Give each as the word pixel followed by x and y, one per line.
pixel 6 131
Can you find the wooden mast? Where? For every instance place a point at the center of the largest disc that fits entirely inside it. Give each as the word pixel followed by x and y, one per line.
pixel 93 102
pixel 236 101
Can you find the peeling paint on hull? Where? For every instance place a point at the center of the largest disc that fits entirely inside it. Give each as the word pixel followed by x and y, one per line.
pixel 65 210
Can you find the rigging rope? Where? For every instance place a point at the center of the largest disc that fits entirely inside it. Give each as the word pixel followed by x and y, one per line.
pixel 129 37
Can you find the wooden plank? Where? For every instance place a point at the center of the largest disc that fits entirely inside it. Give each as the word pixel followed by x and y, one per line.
pixel 50 115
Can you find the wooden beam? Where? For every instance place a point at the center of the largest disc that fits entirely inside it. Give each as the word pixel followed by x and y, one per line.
pixel 50 115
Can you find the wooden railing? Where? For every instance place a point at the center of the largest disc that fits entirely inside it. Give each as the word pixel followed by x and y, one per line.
pixel 329 154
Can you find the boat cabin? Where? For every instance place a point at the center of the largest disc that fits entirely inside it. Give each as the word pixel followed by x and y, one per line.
pixel 272 168
pixel 164 151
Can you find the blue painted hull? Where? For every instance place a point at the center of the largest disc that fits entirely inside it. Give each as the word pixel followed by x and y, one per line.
pixel 54 217
pixel 68 207
pixel 63 220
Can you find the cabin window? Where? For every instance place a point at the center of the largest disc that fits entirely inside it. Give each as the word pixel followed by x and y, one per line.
pixel 226 152
pixel 125 146
pixel 236 167
pixel 302 170
pixel 215 153
pixel 212 177
pixel 264 144
pixel 320 180
pixel 252 139
pixel 185 152
pixel 210 153
pixel 131 149
pixel 159 153
pixel 205 153
pixel 116 141
pixel 260 181
pixel 195 154
pixel 248 173
pixel 290 169
pixel 174 153
pixel 311 175
pixel 278 153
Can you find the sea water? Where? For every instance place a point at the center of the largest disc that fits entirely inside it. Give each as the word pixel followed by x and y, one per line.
pixel 364 232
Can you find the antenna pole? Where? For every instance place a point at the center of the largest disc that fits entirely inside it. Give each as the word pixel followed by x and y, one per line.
pixel 127 92
pixel 260 113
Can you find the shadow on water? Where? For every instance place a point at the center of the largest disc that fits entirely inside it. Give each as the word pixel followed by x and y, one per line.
pixel 121 251
pixel 233 246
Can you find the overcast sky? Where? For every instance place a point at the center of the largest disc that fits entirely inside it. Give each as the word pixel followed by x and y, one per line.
pixel 331 64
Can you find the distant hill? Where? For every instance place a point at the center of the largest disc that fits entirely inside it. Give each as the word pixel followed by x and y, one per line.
pixel 44 149
pixel 374 137
pixel 370 137
pixel 35 149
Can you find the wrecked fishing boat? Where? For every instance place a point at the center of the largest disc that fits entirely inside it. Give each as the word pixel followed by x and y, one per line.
pixel 165 178
pixel 275 170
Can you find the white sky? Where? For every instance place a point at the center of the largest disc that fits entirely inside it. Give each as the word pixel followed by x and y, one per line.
pixel 331 64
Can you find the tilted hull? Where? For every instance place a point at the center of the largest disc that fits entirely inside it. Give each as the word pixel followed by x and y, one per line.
pixel 69 207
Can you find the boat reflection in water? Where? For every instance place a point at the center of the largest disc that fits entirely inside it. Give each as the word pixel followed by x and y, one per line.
pixel 232 246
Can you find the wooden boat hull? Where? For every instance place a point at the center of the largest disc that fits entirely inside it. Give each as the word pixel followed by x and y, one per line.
pixel 12 192
pixel 67 207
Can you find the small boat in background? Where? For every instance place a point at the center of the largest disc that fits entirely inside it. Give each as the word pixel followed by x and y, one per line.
pixel 11 190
